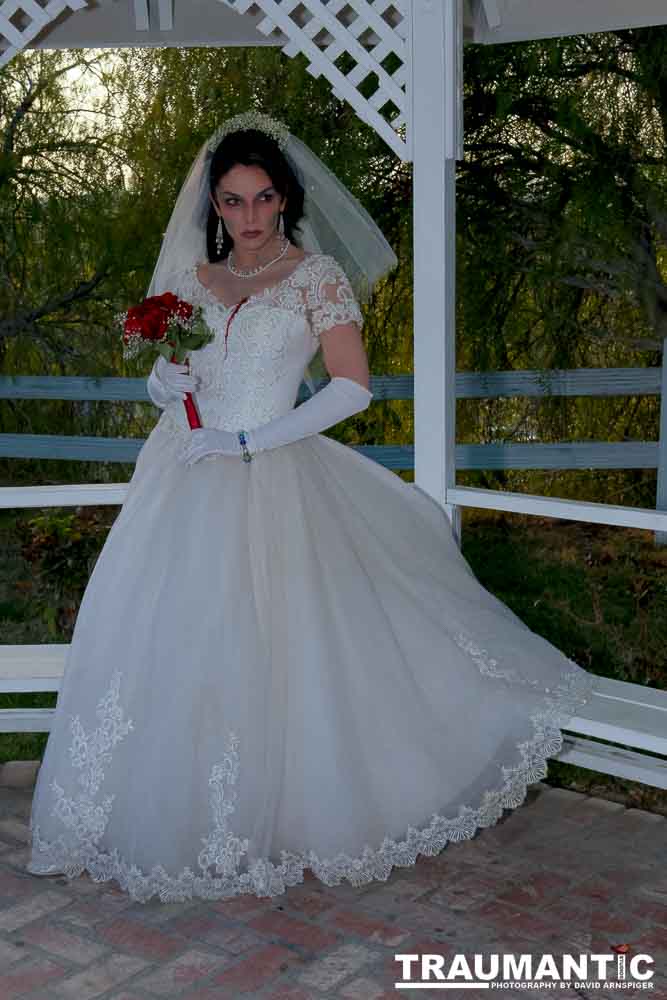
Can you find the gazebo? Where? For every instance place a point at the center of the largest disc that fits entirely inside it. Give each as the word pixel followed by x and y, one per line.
pixel 417 110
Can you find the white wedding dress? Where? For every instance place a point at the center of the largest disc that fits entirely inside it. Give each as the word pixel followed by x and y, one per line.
pixel 287 663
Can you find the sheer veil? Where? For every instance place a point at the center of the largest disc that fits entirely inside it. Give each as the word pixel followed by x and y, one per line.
pixel 334 222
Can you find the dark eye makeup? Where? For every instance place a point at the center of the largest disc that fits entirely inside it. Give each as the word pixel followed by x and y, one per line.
pixel 232 199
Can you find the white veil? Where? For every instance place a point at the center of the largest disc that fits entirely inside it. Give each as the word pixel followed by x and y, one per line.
pixel 333 223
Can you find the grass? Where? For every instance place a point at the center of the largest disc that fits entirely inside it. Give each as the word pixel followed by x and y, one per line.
pixel 25 619
pixel 598 593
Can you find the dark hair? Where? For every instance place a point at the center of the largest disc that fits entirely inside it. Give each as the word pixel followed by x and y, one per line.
pixel 253 148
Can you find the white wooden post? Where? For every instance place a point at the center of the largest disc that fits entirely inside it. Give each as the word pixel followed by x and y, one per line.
pixel 435 121
pixel 661 494
pixel 141 15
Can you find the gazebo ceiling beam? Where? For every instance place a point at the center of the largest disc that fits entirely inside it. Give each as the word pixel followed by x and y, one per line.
pixel 492 22
pixel 166 14
pixel 141 16
pixel 374 35
pixel 23 20
pixel 491 13
pixel 83 24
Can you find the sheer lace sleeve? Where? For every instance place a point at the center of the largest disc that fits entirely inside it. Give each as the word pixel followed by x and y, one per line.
pixel 333 301
pixel 182 283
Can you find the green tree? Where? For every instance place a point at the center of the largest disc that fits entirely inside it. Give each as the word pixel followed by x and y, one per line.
pixel 562 198
pixel 61 206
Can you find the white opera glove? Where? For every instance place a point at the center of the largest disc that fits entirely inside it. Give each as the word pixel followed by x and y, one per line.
pixel 168 382
pixel 340 398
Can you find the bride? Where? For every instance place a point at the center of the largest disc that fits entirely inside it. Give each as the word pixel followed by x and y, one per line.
pixel 281 661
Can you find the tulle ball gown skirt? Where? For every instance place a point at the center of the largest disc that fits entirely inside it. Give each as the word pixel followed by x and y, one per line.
pixel 281 665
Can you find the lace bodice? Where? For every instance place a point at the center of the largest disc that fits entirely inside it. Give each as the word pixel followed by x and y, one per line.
pixel 271 340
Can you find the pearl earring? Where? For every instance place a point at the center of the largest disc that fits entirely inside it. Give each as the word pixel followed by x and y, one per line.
pixel 281 224
pixel 219 236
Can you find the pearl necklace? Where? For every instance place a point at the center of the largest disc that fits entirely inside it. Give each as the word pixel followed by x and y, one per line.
pixel 256 270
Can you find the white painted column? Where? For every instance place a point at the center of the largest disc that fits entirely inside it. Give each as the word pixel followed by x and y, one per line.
pixel 435 140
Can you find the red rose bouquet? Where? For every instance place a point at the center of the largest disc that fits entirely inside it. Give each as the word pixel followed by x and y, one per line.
pixel 173 327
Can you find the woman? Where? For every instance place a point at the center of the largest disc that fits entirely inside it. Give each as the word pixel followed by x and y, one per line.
pixel 281 661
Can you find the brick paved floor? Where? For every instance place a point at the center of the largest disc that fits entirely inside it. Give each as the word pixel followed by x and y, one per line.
pixel 563 873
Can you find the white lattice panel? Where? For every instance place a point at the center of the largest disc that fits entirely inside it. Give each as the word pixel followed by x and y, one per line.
pixel 21 20
pixel 372 34
pixel 361 47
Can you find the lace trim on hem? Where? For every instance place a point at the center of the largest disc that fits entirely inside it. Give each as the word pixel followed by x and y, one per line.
pixel 223 850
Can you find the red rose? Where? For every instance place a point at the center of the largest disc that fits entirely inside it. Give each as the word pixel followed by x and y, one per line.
pixel 150 319
pixel 147 320
pixel 167 300
pixel 155 322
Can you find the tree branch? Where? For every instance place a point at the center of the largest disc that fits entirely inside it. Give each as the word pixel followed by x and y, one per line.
pixel 26 319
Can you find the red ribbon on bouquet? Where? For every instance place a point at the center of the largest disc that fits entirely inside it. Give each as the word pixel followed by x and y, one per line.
pixel 231 317
pixel 191 411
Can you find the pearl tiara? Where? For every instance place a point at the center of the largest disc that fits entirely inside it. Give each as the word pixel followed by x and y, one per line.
pixel 251 120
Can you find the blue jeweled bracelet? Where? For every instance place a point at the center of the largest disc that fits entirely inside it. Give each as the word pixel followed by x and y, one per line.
pixel 247 457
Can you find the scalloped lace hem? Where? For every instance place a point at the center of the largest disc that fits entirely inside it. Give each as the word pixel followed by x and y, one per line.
pixel 86 819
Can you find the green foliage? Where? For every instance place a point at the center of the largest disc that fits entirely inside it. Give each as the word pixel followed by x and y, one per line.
pixel 562 222
pixel 562 198
pixel 61 549
pixel 62 215
pixel 598 593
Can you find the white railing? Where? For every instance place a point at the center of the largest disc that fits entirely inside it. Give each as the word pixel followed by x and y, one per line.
pixel 630 715
pixel 473 385
pixel 627 714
